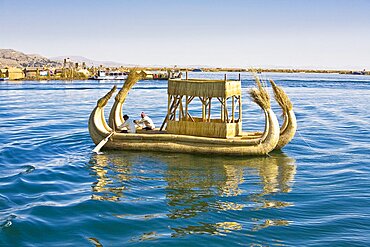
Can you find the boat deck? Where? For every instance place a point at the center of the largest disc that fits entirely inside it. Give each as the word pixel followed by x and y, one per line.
pixel 244 135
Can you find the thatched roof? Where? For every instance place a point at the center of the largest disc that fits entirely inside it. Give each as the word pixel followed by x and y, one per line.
pixel 14 70
pixel 146 72
pixel 204 87
pixel 32 69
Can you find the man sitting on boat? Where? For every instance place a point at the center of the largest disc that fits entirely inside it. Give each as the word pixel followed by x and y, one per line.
pixel 146 121
pixel 128 126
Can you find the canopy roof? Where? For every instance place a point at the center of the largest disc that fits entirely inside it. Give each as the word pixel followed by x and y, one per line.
pixel 14 70
pixel 204 87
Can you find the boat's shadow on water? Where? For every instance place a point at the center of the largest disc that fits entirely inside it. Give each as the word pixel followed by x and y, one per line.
pixel 194 186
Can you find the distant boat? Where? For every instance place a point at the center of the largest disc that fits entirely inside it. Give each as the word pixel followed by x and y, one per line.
pixel 358 73
pixel 112 75
pixel 197 70
pixel 363 72
pixel 160 75
pixel 166 75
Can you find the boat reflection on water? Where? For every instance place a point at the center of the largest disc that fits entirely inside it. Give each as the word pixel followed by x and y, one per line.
pixel 199 185
pixel 194 186
pixel 111 174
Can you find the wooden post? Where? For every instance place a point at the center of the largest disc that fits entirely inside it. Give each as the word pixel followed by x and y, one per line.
pixel 186 107
pixel 209 109
pixel 222 109
pixel 191 118
pixel 175 108
pixel 240 108
pixel 169 104
pixel 181 110
pixel 203 109
pixel 233 109
pixel 225 77
pixel 190 99
pixel 239 77
pixel 169 107
pixel 186 75
pixel 226 113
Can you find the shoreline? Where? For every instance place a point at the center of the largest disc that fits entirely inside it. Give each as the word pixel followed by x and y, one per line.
pixel 77 76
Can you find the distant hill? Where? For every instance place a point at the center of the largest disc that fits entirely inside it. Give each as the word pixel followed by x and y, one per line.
pixel 13 58
pixel 88 62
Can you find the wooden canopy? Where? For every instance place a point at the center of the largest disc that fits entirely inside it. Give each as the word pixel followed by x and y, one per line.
pixel 204 87
pixel 182 92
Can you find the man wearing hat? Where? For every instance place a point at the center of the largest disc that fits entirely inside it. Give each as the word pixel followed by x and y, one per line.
pixel 147 121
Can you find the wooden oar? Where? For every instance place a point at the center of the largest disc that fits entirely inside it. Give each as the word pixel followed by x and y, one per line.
pixel 102 143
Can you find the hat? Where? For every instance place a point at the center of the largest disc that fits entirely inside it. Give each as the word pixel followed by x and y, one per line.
pixel 125 117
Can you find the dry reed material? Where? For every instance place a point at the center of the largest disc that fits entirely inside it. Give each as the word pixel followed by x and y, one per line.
pixel 102 102
pixel 260 95
pixel 182 143
pixel 206 129
pixel 204 88
pixel 131 80
pixel 281 97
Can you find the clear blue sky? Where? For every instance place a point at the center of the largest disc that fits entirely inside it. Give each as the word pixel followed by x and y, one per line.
pixel 269 33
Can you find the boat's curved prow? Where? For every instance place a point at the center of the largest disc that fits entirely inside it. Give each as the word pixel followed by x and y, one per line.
pixel 270 137
pixel 287 133
pixel 115 115
pixel 98 127
pixel 289 126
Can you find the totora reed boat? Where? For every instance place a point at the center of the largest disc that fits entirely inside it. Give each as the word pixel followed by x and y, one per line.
pixel 183 133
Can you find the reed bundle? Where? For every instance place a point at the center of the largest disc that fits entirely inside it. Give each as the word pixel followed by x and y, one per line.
pixel 131 80
pixel 206 129
pixel 281 97
pixel 260 95
pixel 104 100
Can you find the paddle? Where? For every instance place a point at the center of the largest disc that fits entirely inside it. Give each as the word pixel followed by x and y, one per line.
pixel 102 143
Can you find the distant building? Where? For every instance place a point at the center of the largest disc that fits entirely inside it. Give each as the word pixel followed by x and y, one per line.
pixel 12 73
pixel 31 72
pixel 44 72
pixel 58 72
pixel 3 73
pixel 148 75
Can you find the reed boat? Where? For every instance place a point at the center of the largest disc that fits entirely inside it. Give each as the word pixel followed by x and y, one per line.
pixel 111 75
pixel 183 133
pixel 160 75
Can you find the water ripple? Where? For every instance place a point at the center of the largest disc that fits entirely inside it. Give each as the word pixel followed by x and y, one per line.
pixel 315 192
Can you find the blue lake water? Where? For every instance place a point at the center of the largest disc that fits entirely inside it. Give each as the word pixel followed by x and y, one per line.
pixel 55 192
